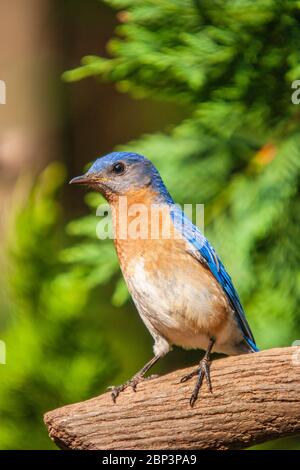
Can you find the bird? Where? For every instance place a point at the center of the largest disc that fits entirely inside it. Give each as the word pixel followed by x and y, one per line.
pixel 178 283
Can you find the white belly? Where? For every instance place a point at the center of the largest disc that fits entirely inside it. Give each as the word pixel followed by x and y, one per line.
pixel 183 312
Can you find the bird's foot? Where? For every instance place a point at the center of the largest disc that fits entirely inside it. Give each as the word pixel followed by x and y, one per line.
pixel 203 370
pixel 133 383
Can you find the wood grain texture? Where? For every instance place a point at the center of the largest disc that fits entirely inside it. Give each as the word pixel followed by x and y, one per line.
pixel 256 398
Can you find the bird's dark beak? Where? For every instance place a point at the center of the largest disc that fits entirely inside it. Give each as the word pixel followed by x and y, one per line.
pixel 83 179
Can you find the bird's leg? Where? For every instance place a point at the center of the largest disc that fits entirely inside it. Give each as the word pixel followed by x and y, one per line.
pixel 203 370
pixel 138 377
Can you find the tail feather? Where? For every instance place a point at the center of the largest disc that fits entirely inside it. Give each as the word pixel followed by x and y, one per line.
pixel 252 345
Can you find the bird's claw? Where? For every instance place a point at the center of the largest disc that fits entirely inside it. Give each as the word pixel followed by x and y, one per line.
pixel 187 377
pixel 203 370
pixel 114 392
pixel 133 383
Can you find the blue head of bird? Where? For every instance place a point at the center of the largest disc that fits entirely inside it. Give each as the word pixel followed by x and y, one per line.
pixel 119 173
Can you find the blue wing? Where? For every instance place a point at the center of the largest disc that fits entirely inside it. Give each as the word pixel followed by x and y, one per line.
pixel 205 253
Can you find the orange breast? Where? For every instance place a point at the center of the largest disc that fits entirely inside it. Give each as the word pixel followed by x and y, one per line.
pixel 142 226
pixel 180 285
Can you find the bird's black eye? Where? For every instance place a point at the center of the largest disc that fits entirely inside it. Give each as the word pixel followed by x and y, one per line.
pixel 118 168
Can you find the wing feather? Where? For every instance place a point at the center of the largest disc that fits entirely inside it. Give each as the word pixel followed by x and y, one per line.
pixel 202 250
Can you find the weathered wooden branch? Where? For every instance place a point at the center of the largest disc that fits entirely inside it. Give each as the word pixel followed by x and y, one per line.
pixel 256 398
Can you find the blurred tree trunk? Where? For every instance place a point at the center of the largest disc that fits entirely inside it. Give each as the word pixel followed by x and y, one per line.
pixel 26 122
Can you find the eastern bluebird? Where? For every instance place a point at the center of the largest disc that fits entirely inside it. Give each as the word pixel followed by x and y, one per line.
pixel 178 283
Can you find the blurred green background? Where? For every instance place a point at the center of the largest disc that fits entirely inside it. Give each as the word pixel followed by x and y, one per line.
pixel 203 88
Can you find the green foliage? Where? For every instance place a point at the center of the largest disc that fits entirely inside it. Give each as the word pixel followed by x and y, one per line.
pixel 55 355
pixel 221 56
